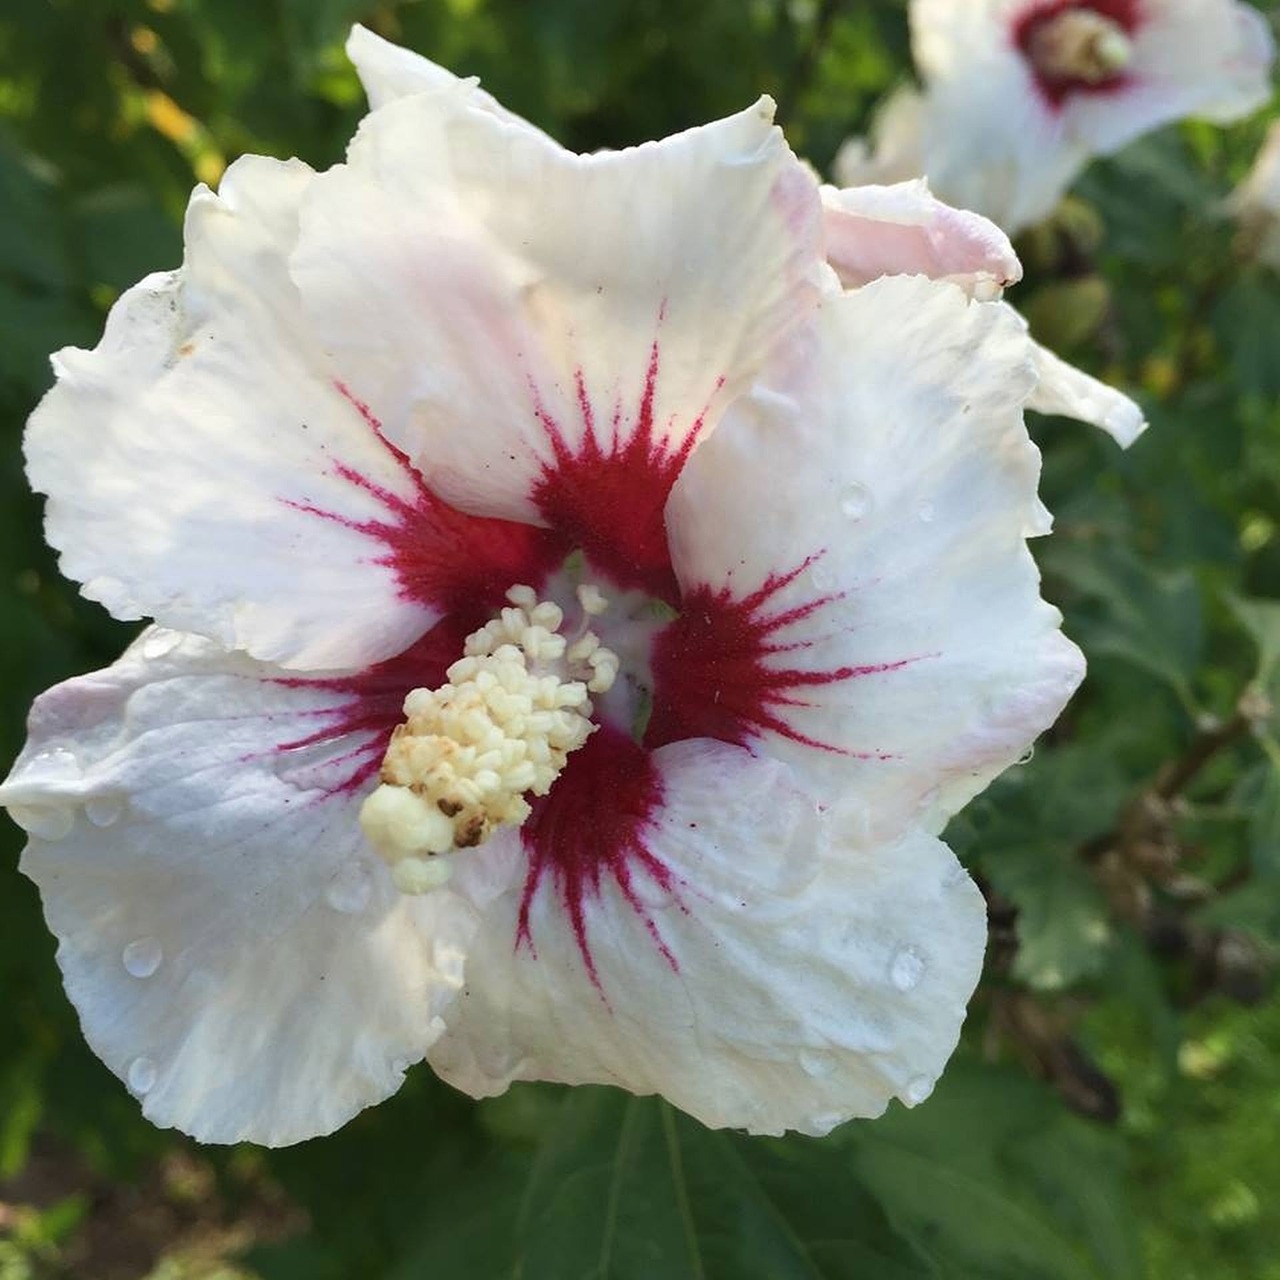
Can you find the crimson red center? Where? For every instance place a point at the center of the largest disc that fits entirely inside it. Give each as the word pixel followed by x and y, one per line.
pixel 1057 89
pixel 728 667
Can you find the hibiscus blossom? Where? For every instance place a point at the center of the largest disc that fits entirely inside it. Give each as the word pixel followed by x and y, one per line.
pixel 1019 95
pixel 1255 203
pixel 577 615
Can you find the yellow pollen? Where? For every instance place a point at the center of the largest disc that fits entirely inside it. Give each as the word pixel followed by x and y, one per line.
pixel 502 728
pixel 1080 44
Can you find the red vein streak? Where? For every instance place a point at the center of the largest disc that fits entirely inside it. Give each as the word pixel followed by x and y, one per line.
pixel 717 673
pixel 608 496
pixel 442 557
pixel 592 827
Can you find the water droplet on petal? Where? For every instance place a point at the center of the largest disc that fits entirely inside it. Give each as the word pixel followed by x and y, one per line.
pixel 45 822
pixel 350 889
pixel 906 968
pixel 925 512
pixel 855 501
pixel 142 957
pixel 54 765
pixel 918 1090
pixel 141 1076
pixel 158 643
pixel 1027 756
pixel 102 811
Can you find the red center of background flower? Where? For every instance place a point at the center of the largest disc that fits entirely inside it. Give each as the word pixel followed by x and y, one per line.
pixel 1031 25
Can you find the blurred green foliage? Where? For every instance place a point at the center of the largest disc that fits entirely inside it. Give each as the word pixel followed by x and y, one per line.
pixel 1111 1112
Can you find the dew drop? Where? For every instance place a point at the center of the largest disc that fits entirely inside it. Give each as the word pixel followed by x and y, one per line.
pixel 350 889
pixel 906 968
pixel 45 822
pixel 158 643
pixel 141 1076
pixel 1027 756
pixel 917 1090
pixel 102 811
pixel 48 817
pixel 141 958
pixel 55 765
pixel 855 501
pixel 925 512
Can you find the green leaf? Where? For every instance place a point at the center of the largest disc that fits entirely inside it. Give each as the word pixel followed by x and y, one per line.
pixel 988 1178
pixel 1261 619
pixel 1245 320
pixel 1257 794
pixel 628 1189
pixel 992 1179
pixel 1063 929
pixel 1149 618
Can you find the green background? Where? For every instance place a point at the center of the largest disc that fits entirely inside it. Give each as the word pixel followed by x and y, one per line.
pixel 1113 1110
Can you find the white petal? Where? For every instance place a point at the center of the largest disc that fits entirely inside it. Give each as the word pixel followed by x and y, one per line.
pixel 1206 58
pixel 1064 389
pixel 895 151
pixel 989 141
pixel 204 469
pixel 1255 203
pixel 235 954
pixel 505 306
pixel 992 145
pixel 790 978
pixel 859 598
pixel 388 72
pixel 992 142
pixel 949 39
pixel 875 231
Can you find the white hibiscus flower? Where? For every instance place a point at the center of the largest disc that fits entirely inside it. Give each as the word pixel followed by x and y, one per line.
pixel 577 617
pixel 1019 95
pixel 1255 203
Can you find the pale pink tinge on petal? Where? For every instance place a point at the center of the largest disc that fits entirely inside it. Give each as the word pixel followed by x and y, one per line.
pixel 903 229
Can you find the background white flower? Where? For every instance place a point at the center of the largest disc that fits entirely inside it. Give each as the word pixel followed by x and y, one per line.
pixel 1019 95
pixel 1255 203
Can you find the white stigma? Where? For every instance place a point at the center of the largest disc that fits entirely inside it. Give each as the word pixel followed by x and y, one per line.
pixel 469 753
pixel 1080 44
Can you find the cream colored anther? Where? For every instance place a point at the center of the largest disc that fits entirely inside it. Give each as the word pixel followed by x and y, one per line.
pixel 1081 44
pixel 502 728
